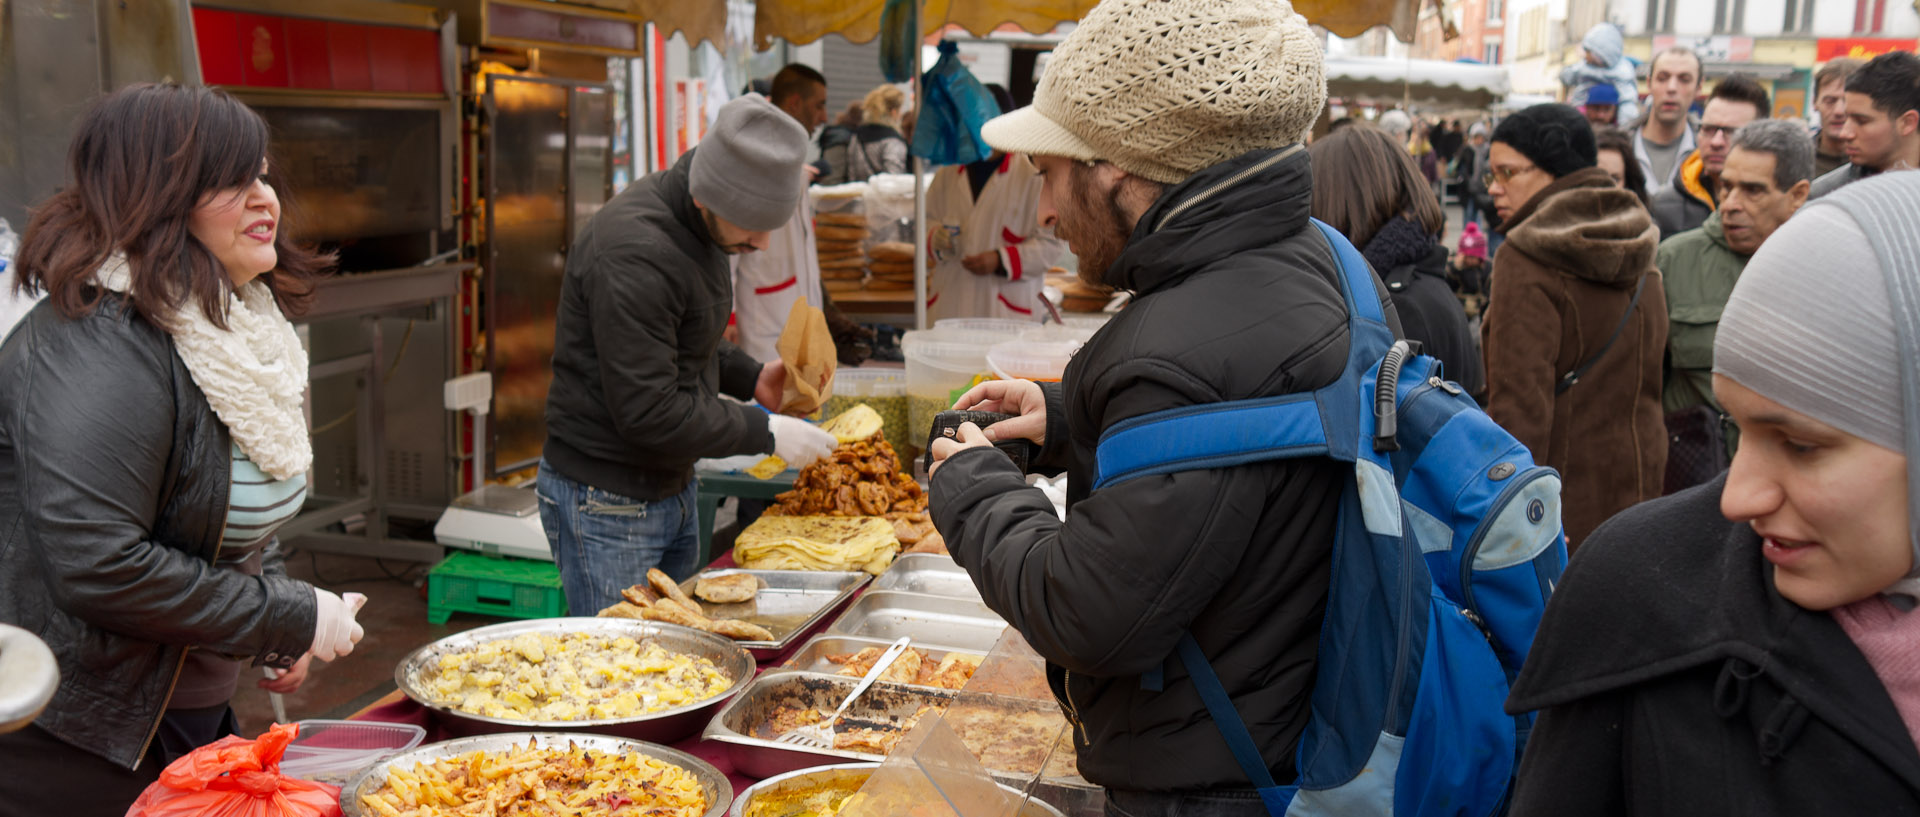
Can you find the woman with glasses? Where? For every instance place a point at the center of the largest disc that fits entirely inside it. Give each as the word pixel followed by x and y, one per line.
pixel 1750 646
pixel 1576 323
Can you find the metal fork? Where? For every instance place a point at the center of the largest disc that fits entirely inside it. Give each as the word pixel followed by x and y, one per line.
pixel 820 735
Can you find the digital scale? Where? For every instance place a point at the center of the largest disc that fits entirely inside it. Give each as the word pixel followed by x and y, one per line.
pixel 497 520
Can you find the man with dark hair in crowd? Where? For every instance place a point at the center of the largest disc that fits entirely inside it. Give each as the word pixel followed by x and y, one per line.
pixel 1694 195
pixel 1882 128
pixel 1663 135
pixel 1830 100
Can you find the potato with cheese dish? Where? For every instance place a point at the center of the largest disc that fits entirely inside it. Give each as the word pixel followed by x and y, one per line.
pixel 571 677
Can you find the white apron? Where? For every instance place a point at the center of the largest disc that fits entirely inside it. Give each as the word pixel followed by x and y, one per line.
pixel 766 283
pixel 1005 219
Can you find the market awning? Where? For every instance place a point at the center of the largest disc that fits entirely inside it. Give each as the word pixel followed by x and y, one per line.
pixel 1419 82
pixel 803 21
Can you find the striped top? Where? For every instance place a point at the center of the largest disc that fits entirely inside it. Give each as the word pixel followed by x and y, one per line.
pixel 258 506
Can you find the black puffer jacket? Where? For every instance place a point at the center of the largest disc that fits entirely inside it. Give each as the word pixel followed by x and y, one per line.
pixel 114 481
pixel 1235 298
pixel 638 361
pixel 1414 267
pixel 1675 680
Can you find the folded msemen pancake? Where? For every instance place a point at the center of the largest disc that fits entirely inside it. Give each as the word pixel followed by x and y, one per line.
pixel 817 543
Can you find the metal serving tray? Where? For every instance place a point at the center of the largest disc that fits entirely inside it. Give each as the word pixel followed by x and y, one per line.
pixel 665 726
pixel 812 656
pixel 789 603
pixel 742 723
pixel 713 784
pixel 957 623
pixel 852 776
pixel 928 573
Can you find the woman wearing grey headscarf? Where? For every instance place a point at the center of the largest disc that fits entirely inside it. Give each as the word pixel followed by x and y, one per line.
pixel 1750 646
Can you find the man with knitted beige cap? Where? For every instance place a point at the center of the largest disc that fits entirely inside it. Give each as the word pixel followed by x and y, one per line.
pixel 639 364
pixel 1168 133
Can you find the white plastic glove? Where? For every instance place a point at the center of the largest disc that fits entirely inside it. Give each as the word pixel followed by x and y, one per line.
pixel 334 630
pixel 798 441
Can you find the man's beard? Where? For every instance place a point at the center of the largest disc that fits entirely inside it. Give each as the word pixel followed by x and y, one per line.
pixel 1096 224
pixel 713 232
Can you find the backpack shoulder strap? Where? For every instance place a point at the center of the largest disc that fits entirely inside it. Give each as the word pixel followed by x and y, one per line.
pixel 1570 378
pixel 1222 435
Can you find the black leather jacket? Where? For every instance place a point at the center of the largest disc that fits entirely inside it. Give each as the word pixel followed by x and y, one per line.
pixel 114 482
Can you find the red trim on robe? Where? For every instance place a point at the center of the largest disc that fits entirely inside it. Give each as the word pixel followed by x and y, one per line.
pixel 791 280
pixel 1009 304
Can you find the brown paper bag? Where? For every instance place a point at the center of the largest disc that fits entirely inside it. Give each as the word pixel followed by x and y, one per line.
pixel 806 347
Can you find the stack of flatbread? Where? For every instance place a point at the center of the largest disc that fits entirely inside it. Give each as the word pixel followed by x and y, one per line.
pixel 892 267
pixel 817 543
pixel 838 237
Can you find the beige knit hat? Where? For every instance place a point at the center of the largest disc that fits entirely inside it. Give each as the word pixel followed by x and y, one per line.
pixel 1164 88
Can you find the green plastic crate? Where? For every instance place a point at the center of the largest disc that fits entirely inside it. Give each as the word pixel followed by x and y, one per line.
pixel 494 586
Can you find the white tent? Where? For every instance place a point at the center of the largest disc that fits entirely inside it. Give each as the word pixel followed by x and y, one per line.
pixel 1429 83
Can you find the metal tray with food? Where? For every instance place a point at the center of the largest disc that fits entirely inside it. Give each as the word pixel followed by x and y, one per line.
pixel 787 602
pixel 928 573
pixel 889 614
pixel 931 665
pixel 676 677
pixel 821 791
pixel 715 794
pixel 751 723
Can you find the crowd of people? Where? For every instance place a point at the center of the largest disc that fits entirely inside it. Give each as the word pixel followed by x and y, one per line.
pixel 1704 326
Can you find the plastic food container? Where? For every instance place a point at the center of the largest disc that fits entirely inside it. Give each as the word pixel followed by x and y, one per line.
pixel 883 389
pixel 938 364
pixel 332 751
pixel 1030 359
pixel 1004 326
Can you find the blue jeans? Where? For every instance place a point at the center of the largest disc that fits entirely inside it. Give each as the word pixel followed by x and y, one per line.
pixel 603 542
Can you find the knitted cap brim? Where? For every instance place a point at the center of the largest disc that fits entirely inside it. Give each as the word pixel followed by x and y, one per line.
pixel 1031 132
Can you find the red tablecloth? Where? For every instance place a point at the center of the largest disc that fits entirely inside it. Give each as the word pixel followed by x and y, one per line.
pixel 396 707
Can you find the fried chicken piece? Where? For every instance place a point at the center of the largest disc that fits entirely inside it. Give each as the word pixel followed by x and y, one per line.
pixel 844 502
pixel 905 668
pixel 675 614
pixel 932 543
pixel 871 498
pixel 740 630
pixel 666 587
pixel 907 532
pixel 625 609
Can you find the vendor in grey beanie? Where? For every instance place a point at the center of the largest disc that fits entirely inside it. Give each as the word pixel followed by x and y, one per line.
pixel 747 169
pixel 1825 323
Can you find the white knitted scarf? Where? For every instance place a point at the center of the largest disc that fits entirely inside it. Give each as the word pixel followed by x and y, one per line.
pixel 254 372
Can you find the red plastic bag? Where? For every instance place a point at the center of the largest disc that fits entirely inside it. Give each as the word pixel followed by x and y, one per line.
pixel 236 777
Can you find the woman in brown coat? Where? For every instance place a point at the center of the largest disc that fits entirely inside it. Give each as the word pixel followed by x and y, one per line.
pixel 1575 328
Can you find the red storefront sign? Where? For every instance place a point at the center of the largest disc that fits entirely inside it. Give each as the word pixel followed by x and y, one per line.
pixel 270 51
pixel 1860 48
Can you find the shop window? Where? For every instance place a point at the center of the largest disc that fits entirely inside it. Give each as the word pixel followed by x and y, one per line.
pixel 1799 17
pixel 1496 11
pixel 1660 16
pixel 1492 55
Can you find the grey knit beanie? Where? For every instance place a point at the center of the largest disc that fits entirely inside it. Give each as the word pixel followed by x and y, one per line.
pixel 1827 311
pixel 747 169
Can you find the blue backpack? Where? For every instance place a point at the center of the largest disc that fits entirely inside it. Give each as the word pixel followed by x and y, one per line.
pixel 1416 654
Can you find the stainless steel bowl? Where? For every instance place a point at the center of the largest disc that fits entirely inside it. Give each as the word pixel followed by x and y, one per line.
pixel 1033 807
pixel 665 726
pixel 713 784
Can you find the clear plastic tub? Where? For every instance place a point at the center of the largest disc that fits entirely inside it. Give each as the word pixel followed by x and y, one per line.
pixel 1031 359
pixel 332 751
pixel 940 362
pixel 885 389
pixel 1004 326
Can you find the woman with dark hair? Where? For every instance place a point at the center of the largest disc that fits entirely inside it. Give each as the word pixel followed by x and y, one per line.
pixel 1367 187
pixel 1615 156
pixel 151 440
pixel 1576 323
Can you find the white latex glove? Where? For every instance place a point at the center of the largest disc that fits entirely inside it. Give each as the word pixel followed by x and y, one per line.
pixel 334 630
pixel 798 441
